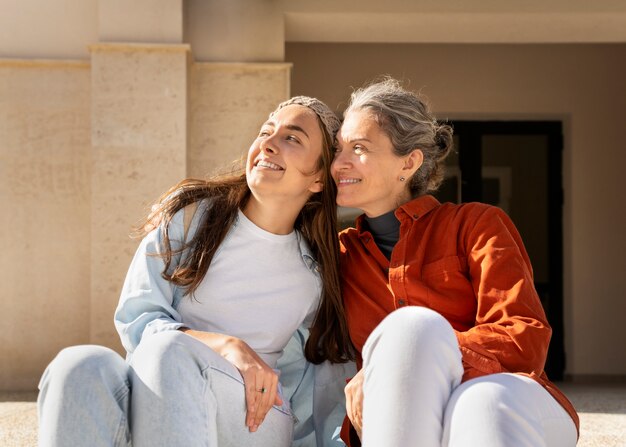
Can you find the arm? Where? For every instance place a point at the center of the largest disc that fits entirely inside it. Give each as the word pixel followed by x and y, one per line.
pixel 256 374
pixel 511 333
pixel 146 304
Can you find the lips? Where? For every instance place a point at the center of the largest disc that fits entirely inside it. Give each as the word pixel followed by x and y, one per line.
pixel 269 165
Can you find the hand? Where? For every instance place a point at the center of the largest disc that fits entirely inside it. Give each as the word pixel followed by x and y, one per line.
pixel 354 401
pixel 260 381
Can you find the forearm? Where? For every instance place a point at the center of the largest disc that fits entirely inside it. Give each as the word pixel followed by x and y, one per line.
pixel 219 343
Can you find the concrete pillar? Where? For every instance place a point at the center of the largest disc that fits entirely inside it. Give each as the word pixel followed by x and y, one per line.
pixel 139 143
pixel 139 73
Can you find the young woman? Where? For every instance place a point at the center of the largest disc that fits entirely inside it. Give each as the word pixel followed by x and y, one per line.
pixel 441 306
pixel 210 301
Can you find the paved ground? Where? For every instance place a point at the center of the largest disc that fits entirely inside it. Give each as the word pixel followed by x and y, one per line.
pixel 602 410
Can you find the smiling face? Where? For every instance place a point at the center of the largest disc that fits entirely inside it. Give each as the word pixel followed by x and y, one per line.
pixel 366 169
pixel 283 160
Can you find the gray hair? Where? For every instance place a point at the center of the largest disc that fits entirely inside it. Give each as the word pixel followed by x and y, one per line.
pixel 408 122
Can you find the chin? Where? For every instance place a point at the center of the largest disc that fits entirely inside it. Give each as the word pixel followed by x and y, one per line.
pixel 345 203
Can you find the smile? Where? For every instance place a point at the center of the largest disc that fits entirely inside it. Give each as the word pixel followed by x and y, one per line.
pixel 348 181
pixel 269 165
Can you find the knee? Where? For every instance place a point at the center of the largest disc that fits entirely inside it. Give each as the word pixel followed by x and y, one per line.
pixel 162 349
pixel 415 327
pixel 485 397
pixel 84 366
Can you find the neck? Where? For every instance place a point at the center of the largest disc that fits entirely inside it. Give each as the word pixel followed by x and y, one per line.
pixel 401 198
pixel 274 216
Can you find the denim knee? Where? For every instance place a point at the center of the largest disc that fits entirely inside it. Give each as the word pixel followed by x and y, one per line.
pixel 86 365
pixel 167 351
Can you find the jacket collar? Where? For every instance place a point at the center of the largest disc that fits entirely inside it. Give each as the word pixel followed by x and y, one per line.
pixel 413 209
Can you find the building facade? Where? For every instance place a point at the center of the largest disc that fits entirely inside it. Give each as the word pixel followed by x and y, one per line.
pixel 106 104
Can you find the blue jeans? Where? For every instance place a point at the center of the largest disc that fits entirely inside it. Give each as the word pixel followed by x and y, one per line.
pixel 174 392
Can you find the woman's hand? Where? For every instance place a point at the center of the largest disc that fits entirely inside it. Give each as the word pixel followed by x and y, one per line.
pixel 260 381
pixel 354 401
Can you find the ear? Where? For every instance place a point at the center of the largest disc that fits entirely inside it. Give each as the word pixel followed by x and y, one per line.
pixel 316 186
pixel 412 163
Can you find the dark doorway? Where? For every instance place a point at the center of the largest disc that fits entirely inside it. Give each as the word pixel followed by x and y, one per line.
pixel 516 165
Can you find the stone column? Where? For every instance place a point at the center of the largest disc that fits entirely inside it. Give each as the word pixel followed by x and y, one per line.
pixel 139 144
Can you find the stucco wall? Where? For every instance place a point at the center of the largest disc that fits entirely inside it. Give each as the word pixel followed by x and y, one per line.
pixel 45 197
pixel 84 150
pixel 228 104
pixel 582 85
pixel 52 29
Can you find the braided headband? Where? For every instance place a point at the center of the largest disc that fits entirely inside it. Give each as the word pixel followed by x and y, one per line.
pixel 328 118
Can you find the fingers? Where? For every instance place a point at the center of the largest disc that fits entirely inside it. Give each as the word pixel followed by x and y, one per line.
pixel 354 402
pixel 260 397
pixel 251 398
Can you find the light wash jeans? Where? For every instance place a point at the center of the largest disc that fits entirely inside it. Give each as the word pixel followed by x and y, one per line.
pixel 175 392
pixel 412 395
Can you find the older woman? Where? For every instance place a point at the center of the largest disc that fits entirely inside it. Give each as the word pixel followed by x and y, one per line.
pixel 441 307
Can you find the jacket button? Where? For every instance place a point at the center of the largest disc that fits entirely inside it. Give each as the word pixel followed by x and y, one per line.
pixel 401 303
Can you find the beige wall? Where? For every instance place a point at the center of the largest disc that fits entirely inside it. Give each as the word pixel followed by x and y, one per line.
pixel 582 85
pixel 50 29
pixel 228 103
pixel 84 150
pixel 45 197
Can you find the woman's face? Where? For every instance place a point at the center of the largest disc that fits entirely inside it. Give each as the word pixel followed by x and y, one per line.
pixel 283 159
pixel 366 169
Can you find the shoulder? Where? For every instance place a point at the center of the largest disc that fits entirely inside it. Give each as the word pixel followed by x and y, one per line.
pixel 185 222
pixel 469 214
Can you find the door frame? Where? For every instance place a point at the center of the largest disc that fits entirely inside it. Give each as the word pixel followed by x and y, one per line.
pixel 470 133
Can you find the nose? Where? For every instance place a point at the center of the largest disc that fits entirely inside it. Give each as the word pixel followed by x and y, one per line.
pixel 341 160
pixel 268 145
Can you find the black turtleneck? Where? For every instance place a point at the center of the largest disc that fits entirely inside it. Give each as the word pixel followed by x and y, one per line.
pixel 386 231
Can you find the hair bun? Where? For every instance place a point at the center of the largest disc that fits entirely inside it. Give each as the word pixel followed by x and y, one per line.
pixel 443 138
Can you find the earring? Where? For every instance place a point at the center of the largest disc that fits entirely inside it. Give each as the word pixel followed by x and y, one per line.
pixel 402 179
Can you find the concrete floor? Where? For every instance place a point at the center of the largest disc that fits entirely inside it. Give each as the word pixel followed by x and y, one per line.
pixel 602 410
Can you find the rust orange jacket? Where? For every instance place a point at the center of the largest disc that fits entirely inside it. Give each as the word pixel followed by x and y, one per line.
pixel 468 263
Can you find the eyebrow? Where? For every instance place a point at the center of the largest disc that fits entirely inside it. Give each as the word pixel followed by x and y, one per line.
pixel 290 127
pixel 297 129
pixel 353 140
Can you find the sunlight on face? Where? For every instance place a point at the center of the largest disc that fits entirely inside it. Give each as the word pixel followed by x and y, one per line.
pixel 283 159
pixel 365 168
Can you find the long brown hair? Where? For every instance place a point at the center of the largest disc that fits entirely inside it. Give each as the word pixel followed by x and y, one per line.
pixel 317 223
